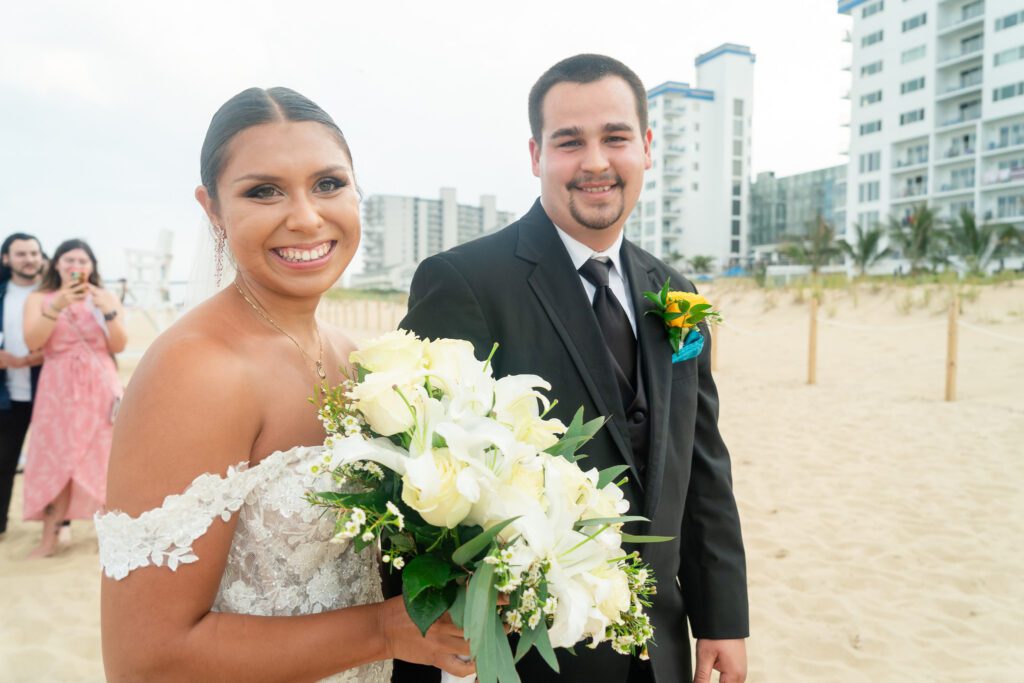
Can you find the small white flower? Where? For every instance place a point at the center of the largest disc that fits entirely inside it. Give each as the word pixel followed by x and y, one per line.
pixel 550 605
pixel 533 620
pixel 386 559
pixel 491 559
pixel 368 536
pixel 359 516
pixel 398 563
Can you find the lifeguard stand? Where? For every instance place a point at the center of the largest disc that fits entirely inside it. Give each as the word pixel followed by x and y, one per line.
pixel 147 287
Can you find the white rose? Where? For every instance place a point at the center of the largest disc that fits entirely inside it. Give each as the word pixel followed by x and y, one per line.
pixel 384 409
pixel 397 351
pixel 431 487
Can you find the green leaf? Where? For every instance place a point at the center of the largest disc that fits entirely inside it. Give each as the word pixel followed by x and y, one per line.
pixel 481 612
pixel 458 608
pixel 597 521
pixel 664 292
pixel 607 475
pixel 429 605
pixel 466 552
pixel 630 538
pixel 577 434
pixel 402 543
pixel 543 645
pixel 506 666
pixel 699 308
pixel 423 572
pixel 653 298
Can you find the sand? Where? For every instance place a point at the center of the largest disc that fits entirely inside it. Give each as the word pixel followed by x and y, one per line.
pixel 882 524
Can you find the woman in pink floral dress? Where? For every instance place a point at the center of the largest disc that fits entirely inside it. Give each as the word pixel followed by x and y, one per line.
pixel 78 325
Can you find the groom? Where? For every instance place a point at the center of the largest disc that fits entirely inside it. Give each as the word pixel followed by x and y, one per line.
pixel 562 292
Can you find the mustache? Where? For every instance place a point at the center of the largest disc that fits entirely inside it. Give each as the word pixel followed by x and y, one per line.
pixel 613 179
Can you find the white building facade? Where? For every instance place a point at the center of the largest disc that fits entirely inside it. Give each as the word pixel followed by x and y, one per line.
pixel 696 197
pixel 400 231
pixel 937 109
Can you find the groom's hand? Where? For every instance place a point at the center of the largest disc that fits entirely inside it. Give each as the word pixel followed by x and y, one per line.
pixel 728 657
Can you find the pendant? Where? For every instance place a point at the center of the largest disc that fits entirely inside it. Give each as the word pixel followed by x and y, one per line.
pixel 321 373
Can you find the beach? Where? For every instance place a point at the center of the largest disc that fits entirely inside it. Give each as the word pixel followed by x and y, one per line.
pixel 883 524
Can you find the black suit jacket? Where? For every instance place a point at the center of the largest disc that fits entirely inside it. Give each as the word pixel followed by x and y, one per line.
pixel 518 287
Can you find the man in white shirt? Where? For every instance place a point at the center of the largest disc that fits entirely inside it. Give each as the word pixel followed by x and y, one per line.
pixel 21 265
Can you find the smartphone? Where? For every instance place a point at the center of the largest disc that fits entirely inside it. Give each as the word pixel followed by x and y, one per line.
pixel 76 277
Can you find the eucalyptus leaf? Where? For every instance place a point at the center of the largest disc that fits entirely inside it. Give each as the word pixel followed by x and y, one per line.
pixel 597 521
pixel 458 608
pixel 607 475
pixel 630 538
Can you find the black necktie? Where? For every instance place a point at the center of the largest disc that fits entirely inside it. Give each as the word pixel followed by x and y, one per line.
pixel 611 317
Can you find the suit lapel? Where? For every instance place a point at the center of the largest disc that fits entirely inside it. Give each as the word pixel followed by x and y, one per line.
pixel 558 288
pixel 656 366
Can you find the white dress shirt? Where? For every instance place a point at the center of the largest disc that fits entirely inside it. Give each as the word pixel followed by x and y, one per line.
pixel 19 380
pixel 580 253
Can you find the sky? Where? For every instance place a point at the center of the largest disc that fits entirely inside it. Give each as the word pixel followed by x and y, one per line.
pixel 104 105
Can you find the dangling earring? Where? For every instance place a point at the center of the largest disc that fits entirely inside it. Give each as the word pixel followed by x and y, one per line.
pixel 218 255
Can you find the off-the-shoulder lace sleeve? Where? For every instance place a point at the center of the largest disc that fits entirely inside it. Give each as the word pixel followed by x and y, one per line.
pixel 164 536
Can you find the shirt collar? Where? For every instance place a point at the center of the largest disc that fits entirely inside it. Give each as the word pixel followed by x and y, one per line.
pixel 580 253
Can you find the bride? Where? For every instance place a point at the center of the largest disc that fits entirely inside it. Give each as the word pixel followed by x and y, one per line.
pixel 215 567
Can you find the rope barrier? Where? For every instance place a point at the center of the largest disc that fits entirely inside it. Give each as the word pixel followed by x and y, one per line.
pixel 982 330
pixel 885 328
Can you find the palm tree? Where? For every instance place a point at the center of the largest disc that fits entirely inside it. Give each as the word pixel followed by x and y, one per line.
pixel 978 246
pixel 815 248
pixel 866 249
pixel 702 264
pixel 918 236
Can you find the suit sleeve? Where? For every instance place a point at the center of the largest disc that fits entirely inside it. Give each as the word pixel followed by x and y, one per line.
pixel 713 566
pixel 443 304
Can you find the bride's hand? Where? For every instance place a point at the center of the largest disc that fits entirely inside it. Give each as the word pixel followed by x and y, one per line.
pixel 441 647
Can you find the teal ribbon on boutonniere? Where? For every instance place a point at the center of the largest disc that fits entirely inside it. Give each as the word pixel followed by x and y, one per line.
pixel 681 311
pixel 691 348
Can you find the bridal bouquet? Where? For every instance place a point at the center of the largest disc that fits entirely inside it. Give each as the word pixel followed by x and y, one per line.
pixel 473 492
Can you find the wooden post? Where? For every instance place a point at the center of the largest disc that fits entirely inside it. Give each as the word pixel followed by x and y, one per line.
pixel 716 334
pixel 812 346
pixel 951 350
pixel 381 325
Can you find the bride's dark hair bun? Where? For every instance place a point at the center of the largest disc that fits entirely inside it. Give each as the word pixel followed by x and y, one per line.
pixel 253 107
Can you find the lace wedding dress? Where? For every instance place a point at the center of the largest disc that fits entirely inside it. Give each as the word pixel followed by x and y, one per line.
pixel 281 562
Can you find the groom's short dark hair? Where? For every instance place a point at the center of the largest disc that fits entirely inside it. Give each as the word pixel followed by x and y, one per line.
pixel 585 68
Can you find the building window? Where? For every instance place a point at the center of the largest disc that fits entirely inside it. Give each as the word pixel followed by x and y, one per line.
pixel 1009 20
pixel 1010 207
pixel 737 128
pixel 735 228
pixel 913 54
pixel 737 148
pixel 651 185
pixel 735 246
pixel 868 192
pixel 735 207
pixel 1008 91
pixel 695 187
pixel 912 117
pixel 872 161
pixel 873 8
pixel 737 168
pixel 872 68
pixel 736 189
pixel 649 208
pixel 871 38
pixel 911 85
pixel 914 22
pixel 868 219
pixel 870 98
pixel 737 107
pixel 972 44
pixel 1011 55
pixel 870 127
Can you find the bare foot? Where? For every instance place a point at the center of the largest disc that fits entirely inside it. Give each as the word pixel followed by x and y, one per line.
pixel 64 535
pixel 44 549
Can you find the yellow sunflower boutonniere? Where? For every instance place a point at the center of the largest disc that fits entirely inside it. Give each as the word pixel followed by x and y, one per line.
pixel 681 312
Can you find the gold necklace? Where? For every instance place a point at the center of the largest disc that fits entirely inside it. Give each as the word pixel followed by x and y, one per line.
pixel 318 364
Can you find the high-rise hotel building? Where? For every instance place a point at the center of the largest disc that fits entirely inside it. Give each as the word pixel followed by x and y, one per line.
pixel 696 197
pixel 937 109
